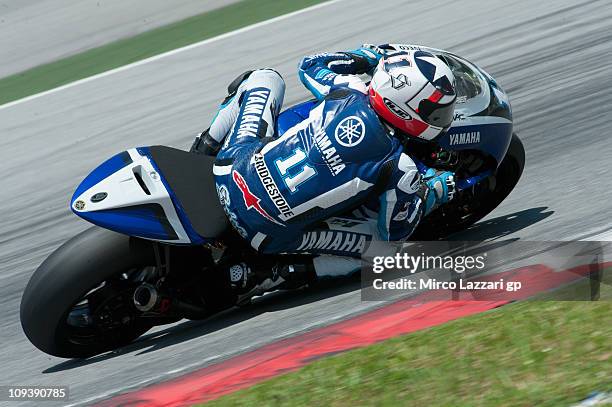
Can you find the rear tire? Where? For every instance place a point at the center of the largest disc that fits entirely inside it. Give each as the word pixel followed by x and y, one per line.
pixel 65 277
pixel 447 219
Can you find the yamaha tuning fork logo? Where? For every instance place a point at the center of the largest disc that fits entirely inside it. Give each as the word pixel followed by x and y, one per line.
pixel 350 131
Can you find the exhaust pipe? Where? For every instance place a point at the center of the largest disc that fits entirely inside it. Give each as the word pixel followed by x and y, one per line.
pixel 147 299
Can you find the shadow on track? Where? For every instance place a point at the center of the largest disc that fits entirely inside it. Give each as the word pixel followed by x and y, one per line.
pixel 189 330
pixel 182 332
pixel 502 226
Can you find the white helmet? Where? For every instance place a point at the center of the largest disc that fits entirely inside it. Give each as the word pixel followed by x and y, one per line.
pixel 414 91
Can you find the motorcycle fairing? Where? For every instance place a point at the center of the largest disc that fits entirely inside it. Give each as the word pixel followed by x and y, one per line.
pixel 294 115
pixel 136 200
pixel 489 135
pixel 483 115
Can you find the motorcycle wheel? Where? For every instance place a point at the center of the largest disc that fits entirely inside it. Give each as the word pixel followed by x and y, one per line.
pixel 454 217
pixel 77 303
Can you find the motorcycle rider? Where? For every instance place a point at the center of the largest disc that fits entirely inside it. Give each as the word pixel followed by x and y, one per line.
pixel 285 194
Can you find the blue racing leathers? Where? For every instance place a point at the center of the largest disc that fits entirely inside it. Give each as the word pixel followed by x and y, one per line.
pixel 317 187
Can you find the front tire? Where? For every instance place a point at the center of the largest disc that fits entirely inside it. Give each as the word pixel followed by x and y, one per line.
pixel 79 266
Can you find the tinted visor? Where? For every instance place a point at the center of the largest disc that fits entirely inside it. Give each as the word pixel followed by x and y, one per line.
pixel 436 114
pixel 395 60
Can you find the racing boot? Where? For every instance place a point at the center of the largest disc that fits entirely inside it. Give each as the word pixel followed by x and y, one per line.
pixel 204 144
pixel 210 140
pixel 248 282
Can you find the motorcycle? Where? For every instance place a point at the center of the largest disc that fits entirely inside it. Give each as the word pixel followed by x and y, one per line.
pixel 161 230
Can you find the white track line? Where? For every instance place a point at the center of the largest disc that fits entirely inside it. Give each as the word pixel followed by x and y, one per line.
pixel 167 54
pixel 605 236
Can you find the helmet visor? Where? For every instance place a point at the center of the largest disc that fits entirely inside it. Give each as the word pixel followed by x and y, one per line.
pixel 436 114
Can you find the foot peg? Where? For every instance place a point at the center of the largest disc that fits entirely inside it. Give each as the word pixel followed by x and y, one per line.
pixel 248 282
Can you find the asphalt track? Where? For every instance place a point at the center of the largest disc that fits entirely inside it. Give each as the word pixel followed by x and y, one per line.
pixel 33 32
pixel 553 58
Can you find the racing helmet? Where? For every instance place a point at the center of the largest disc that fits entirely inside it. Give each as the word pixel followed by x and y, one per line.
pixel 414 91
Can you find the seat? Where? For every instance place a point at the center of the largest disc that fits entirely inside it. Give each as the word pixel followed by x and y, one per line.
pixel 190 177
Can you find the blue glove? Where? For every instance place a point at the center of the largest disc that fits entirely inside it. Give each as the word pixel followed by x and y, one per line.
pixel 441 188
pixel 379 52
pixel 371 53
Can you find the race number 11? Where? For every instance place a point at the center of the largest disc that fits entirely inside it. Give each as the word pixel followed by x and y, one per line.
pixel 298 158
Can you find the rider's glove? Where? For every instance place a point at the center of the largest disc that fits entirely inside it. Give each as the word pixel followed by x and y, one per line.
pixel 375 49
pixel 441 188
pixel 371 52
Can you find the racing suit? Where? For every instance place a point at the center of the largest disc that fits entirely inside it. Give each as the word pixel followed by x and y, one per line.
pixel 327 186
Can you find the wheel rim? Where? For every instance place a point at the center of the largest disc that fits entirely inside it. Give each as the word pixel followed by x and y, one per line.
pixel 105 313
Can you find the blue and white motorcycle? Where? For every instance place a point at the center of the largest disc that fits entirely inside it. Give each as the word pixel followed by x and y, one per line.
pixel 161 231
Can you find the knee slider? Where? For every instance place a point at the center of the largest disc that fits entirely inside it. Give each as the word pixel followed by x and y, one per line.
pixel 233 86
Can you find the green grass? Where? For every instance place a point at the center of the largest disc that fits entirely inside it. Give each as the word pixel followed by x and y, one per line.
pixel 540 353
pixel 157 41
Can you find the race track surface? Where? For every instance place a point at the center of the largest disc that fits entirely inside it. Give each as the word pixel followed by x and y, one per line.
pixel 553 58
pixel 33 32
